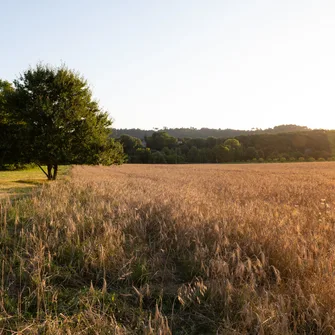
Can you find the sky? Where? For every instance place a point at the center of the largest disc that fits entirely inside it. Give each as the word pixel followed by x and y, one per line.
pixel 237 64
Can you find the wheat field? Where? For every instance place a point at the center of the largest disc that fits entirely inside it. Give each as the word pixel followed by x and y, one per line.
pixel 180 249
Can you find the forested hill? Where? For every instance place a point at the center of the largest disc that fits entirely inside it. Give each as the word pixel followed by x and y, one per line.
pixel 161 147
pixel 207 132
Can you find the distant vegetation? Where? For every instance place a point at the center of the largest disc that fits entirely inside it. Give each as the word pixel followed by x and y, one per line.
pixel 288 143
pixel 206 132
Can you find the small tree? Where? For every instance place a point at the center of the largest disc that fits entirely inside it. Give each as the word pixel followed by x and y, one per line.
pixel 62 123
pixel 130 144
pixel 235 148
pixel 159 140
pixel 232 143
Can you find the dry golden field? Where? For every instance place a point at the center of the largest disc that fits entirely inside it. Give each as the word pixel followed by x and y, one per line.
pixel 180 249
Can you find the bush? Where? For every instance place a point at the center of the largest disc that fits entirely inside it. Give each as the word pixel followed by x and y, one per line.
pixel 301 159
pixel 311 159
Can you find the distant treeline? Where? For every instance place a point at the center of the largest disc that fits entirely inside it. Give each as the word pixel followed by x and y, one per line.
pixel 162 147
pixel 206 132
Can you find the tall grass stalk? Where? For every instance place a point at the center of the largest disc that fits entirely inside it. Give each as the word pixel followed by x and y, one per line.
pixel 196 249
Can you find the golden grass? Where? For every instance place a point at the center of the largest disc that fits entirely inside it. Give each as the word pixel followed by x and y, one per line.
pixel 191 249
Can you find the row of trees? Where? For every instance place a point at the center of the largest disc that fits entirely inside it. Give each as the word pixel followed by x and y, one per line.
pixel 161 147
pixel 48 117
pixel 208 132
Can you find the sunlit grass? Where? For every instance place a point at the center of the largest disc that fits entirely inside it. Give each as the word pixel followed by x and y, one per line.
pixel 22 181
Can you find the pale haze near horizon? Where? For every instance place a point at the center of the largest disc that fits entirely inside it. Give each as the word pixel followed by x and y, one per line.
pixel 216 64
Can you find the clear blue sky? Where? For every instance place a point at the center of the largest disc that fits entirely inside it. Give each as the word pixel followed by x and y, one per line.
pixel 180 63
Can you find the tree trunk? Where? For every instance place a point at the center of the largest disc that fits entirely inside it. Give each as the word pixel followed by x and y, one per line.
pixel 49 172
pixel 55 171
pixel 2 160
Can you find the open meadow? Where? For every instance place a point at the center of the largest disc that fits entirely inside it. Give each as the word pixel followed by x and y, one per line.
pixel 172 249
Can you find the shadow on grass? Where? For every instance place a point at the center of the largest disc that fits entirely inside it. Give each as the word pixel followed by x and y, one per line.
pixel 19 190
pixel 17 193
pixel 31 182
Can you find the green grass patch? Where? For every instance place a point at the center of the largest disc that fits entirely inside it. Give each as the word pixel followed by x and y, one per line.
pixel 23 181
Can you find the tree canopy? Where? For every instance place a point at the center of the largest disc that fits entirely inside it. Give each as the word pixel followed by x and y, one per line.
pixel 9 131
pixel 289 146
pixel 60 121
pixel 203 133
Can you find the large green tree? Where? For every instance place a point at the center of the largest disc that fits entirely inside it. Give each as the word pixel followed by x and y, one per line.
pixel 62 122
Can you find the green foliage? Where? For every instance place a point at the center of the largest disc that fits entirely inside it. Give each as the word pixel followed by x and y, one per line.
pixel 232 143
pixel 160 140
pixel 250 153
pixel 60 121
pixel 6 89
pixel 130 144
pixel 205 133
pixel 193 155
pixel 257 148
pixel 142 155
pixel 158 158
pixel 9 129
pixel 222 153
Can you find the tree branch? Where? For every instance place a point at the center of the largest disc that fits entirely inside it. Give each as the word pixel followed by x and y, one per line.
pixel 43 170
